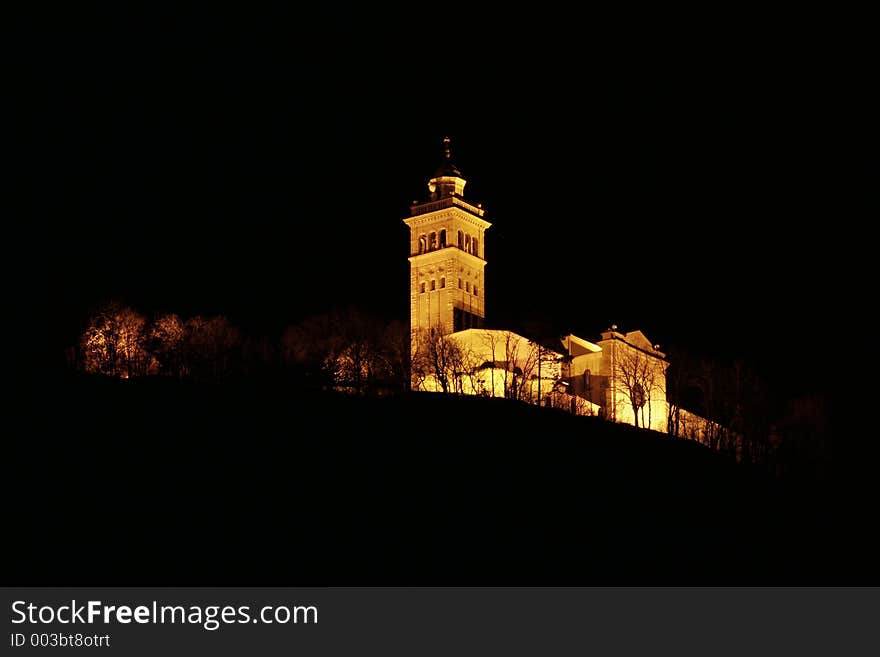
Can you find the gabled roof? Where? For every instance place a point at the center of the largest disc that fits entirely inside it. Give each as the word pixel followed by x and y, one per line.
pixel 640 340
pixel 635 339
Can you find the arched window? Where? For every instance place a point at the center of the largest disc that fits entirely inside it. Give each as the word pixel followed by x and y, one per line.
pixel 433 284
pixel 475 291
pixel 467 286
pixel 423 244
pixel 432 243
pixel 423 287
pixel 460 240
pixel 476 244
pixel 459 283
pixel 443 239
pixel 467 243
pixel 586 379
pixel 442 282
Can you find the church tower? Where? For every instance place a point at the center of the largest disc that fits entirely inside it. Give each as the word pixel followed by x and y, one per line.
pixel 446 255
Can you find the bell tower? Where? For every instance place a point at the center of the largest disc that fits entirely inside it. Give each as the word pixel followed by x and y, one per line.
pixel 446 255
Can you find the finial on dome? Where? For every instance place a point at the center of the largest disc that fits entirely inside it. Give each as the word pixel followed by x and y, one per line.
pixel 447 169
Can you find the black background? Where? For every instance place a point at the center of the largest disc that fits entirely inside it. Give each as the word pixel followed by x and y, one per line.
pixel 699 175
pixel 694 174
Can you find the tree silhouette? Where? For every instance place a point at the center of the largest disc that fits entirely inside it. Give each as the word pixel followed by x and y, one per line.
pixel 113 343
pixel 164 341
pixel 636 375
pixel 349 349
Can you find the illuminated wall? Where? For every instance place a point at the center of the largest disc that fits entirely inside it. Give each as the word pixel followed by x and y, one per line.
pixel 447 257
pixel 599 372
pixel 448 292
pixel 497 363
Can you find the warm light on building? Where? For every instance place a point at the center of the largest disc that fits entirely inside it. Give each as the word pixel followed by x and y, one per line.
pixel 623 373
pixel 447 247
pixel 621 377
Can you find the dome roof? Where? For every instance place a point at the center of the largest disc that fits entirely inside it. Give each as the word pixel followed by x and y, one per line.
pixel 447 168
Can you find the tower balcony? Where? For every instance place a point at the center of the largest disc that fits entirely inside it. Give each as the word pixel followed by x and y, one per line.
pixel 447 202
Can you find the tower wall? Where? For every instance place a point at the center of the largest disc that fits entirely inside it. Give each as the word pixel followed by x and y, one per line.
pixel 447 265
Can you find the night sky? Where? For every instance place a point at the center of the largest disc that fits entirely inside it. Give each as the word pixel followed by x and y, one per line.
pixel 652 173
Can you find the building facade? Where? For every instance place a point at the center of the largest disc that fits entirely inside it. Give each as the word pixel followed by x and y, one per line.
pixel 622 376
pixel 623 373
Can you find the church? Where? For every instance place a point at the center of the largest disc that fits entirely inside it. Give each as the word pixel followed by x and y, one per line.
pixel 621 376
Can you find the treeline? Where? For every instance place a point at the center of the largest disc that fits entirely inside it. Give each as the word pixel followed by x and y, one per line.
pixel 345 348
pixel 726 406
pixel 342 349
pixel 732 400
pixel 119 341
pixel 731 408
pixel 348 349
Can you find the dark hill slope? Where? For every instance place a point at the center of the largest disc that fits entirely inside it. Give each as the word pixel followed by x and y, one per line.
pixel 156 482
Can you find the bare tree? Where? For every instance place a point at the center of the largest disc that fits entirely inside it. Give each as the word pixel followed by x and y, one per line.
pixel 475 367
pixel 418 365
pixel 438 356
pixel 491 340
pixel 636 376
pixel 676 381
pixel 305 347
pixel 164 341
pixel 521 361
pixel 344 348
pixel 397 351
pixel 113 343
pixel 707 382
pixel 357 361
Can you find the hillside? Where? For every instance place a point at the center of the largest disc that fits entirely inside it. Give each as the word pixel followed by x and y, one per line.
pixel 157 482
